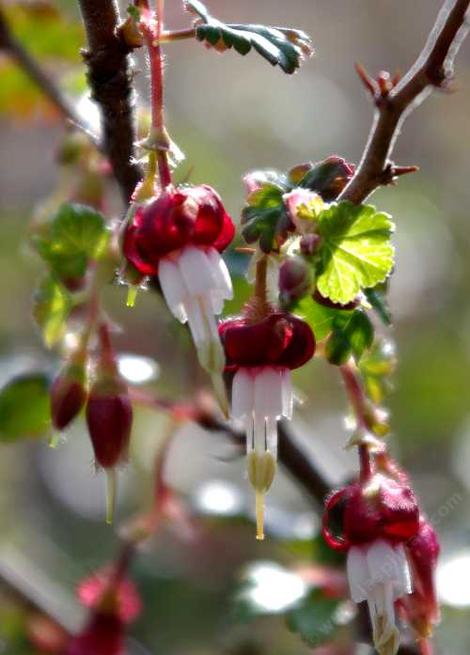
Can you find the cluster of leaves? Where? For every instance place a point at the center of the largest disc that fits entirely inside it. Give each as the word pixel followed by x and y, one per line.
pixel 265 218
pixel 74 237
pixel 284 47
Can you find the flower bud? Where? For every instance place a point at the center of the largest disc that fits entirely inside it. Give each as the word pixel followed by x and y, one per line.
pixel 109 419
pixel 295 279
pixel 67 394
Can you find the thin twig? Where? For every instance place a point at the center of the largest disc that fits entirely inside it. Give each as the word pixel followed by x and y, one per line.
pixel 110 80
pixel 36 73
pixel 433 68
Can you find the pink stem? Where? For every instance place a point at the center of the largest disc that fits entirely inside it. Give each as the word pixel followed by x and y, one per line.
pixel 358 401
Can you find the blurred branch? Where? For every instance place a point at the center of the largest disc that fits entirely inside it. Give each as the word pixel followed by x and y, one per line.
pixel 30 66
pixel 433 68
pixel 110 80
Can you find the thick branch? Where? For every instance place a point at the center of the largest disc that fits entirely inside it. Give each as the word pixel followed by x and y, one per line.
pixel 110 80
pixel 30 66
pixel 433 68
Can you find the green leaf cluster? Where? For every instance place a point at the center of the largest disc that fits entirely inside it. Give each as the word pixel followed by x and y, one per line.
pixel 24 407
pixel 265 219
pixel 280 46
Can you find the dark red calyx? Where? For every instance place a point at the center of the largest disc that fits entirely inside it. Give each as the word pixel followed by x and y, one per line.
pixel 104 634
pixel 280 339
pixel 382 508
pixel 295 279
pixel 423 552
pixel 68 395
pixel 109 419
pixel 100 591
pixel 179 216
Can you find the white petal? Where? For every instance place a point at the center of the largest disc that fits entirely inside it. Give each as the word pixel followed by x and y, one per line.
pixel 271 436
pixel 197 271
pixel 197 323
pixel 383 563
pixel 268 393
pixel 173 288
pixel 259 433
pixel 358 574
pixel 250 433
pixel 221 274
pixel 242 394
pixel 403 583
pixel 287 394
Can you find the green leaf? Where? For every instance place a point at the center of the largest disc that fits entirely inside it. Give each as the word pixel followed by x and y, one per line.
pixel 52 304
pixel 356 250
pixel 280 46
pixel 351 335
pixel 376 368
pixel 76 235
pixel 265 218
pixel 24 407
pixel 327 177
pixel 318 316
pixel 314 618
pixel 378 300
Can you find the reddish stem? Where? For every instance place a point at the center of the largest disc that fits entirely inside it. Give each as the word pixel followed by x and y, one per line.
pixel 152 38
pixel 358 401
pixel 425 647
pixel 107 356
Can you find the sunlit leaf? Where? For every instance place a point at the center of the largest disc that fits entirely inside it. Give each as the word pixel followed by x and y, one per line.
pixel 51 308
pixel 356 251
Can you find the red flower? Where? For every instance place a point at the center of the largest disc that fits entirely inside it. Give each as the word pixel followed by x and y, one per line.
pixel 104 634
pixel 97 592
pixel 178 217
pixel 280 340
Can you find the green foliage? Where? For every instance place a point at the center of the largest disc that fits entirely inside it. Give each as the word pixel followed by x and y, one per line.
pixel 356 251
pixel 24 407
pixel 351 335
pixel 314 618
pixel 327 177
pixel 320 317
pixel 76 235
pixel 280 46
pixel 378 301
pixel 265 218
pixel 52 304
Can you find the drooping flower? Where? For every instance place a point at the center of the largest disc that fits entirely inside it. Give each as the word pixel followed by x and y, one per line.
pixel 67 394
pixel 378 518
pixel 261 355
pixel 179 237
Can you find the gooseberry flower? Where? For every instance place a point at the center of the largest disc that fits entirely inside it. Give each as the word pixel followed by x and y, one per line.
pixel 261 355
pixel 379 517
pixel 179 237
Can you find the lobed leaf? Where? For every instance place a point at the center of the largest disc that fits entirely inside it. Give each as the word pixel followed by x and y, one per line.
pixel 280 46
pixel 356 252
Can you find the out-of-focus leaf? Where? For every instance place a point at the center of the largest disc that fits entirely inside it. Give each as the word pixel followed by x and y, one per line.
pixel 45 31
pixel 376 367
pixel 356 252
pixel 318 316
pixel 76 235
pixel 24 407
pixel 327 177
pixel 314 618
pixel 52 304
pixel 280 46
pixel 378 300
pixel 20 99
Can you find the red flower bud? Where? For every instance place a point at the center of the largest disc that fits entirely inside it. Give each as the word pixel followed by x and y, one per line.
pixel 67 395
pixel 295 279
pixel 280 339
pixel 181 216
pixel 109 419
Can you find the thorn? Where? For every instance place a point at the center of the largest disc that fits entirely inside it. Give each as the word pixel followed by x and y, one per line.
pixel 396 77
pixel 366 79
pixel 384 83
pixel 397 171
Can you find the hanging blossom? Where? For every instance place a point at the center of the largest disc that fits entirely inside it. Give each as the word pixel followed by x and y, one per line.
pixel 261 354
pixel 179 237
pixel 114 603
pixel 380 519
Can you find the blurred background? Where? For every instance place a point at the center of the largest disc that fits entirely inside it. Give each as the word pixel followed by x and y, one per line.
pixel 230 114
